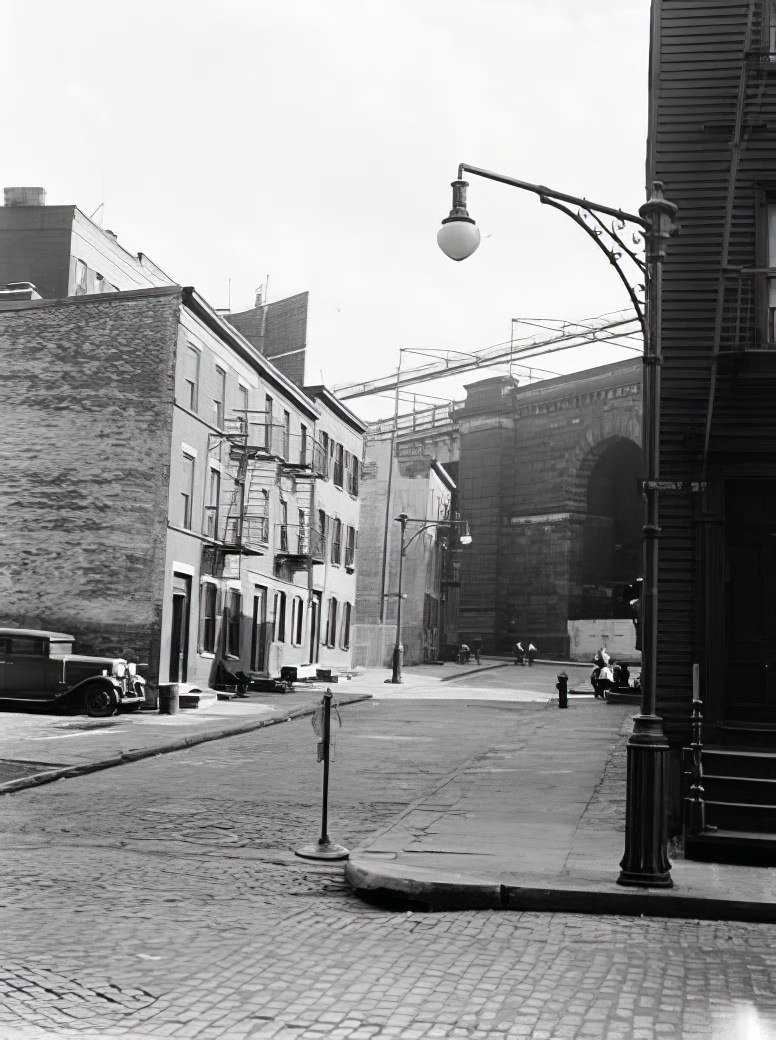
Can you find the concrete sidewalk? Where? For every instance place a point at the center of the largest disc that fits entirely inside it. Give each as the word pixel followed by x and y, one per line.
pixel 39 748
pixel 538 822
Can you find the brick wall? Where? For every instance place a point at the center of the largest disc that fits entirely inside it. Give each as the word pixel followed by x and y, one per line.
pixel 87 404
pixel 278 329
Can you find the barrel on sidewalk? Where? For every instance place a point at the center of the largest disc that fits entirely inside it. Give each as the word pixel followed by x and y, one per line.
pixel 169 698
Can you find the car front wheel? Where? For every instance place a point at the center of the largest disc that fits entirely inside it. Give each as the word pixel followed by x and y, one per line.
pixel 100 702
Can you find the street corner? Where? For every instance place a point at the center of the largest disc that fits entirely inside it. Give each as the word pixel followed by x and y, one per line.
pixel 379 877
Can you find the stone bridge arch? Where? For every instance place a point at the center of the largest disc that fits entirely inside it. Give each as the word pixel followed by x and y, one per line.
pixel 605 551
pixel 549 483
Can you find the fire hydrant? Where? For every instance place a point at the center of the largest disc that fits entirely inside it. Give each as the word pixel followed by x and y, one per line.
pixel 562 686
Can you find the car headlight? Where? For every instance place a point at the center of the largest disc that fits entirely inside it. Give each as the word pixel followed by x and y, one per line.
pixel 119 669
pixel 132 669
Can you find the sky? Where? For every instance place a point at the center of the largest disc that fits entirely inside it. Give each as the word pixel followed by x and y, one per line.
pixel 309 145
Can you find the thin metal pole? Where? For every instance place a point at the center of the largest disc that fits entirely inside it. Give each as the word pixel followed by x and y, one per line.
pixel 324 848
pixel 398 649
pixel 388 503
pixel 324 838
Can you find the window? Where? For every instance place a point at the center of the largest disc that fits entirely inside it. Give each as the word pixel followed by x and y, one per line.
pixel 191 378
pixel 268 403
pixel 25 646
pixel 325 453
pixel 336 541
pixel 303 546
pixel 219 396
pixel 303 444
pixel 283 533
pixel 345 635
pixel 280 617
pixel 79 287
pixel 297 621
pixel 264 506
pixel 213 500
pixel 338 460
pixel 286 434
pixel 771 11
pixel 233 619
pixel 322 530
pixel 353 475
pixel 331 623
pixel 207 620
pixel 350 548
pixel 243 409
pixel 187 491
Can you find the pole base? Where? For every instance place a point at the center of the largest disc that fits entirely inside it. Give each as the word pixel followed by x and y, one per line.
pixel 645 880
pixel 646 863
pixel 323 850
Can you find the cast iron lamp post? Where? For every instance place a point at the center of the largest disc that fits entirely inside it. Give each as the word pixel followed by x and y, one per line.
pixel 465 539
pixel 645 861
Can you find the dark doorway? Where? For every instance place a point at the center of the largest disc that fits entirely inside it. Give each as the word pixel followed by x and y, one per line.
pixel 259 630
pixel 179 637
pixel 750 574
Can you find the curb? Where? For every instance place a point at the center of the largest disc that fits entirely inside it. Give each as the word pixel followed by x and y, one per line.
pixel 179 744
pixel 435 892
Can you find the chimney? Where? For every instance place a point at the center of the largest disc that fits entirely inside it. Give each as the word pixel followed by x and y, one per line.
pixel 16 291
pixel 25 196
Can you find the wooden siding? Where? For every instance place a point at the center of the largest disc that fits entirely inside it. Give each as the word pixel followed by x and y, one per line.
pixel 712 122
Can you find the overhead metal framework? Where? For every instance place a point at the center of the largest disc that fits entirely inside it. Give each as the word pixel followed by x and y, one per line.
pixel 621 328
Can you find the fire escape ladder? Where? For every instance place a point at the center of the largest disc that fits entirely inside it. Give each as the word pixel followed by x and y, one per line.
pixel 735 155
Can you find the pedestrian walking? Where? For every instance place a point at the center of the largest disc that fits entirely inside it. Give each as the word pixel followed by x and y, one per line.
pixel 519 653
pixel 464 654
pixel 477 650
pixel 531 653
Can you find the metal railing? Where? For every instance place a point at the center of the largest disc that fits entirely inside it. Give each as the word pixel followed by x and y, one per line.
pixel 255 434
pixel 246 531
pixel 299 540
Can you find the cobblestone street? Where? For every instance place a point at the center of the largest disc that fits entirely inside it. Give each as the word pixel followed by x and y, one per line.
pixel 163 899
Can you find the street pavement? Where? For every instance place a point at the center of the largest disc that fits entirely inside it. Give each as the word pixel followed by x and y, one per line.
pixel 534 822
pixel 162 898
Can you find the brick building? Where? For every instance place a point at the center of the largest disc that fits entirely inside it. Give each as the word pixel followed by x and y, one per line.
pixel 171 495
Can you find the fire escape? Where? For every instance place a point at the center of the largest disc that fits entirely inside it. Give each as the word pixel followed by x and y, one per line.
pixel 263 462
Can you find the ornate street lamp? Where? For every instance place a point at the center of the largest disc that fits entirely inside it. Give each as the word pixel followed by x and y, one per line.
pixel 465 539
pixel 645 861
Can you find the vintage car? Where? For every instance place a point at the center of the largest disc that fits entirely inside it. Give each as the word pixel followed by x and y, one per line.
pixel 40 667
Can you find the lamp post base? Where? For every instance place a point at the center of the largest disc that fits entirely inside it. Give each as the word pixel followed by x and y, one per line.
pixel 398 654
pixel 324 848
pixel 645 862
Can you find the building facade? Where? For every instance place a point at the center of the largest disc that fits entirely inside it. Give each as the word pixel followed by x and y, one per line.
pixel 171 495
pixel 547 477
pixel 408 468
pixel 713 106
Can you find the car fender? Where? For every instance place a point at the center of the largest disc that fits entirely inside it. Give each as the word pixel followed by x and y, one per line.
pixel 106 681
